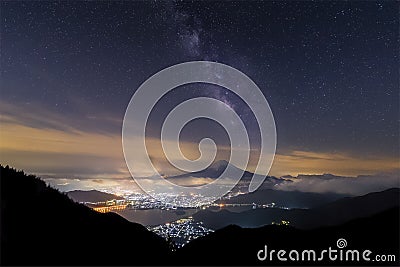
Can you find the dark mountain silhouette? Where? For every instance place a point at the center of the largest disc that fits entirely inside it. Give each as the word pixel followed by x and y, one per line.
pixel 239 246
pixel 337 212
pixel 41 226
pixel 290 199
pixel 91 196
pixel 216 169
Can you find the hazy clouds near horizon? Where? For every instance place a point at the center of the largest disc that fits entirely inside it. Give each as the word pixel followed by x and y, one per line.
pixel 325 183
pixel 359 185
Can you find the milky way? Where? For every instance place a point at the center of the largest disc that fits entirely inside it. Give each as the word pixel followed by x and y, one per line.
pixel 328 69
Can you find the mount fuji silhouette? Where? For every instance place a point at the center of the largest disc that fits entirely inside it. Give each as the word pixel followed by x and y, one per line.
pixel 216 169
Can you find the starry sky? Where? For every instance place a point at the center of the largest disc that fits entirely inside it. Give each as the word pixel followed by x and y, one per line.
pixel 329 71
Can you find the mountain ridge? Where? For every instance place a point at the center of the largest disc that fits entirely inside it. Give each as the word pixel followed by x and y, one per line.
pixel 36 218
pixel 216 169
pixel 378 233
pixel 42 226
pixel 91 196
pixel 336 212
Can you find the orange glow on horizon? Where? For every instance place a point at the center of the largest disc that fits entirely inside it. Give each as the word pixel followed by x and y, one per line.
pixel 46 151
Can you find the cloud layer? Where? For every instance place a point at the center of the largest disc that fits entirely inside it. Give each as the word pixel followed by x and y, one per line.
pixel 341 184
pixel 50 145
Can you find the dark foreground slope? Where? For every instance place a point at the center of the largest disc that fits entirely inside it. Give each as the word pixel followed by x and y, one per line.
pixel 239 246
pixel 334 213
pixel 41 226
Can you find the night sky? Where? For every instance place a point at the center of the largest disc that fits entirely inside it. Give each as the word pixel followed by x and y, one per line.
pixel 329 70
